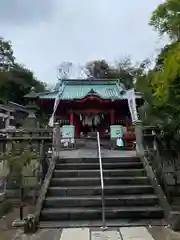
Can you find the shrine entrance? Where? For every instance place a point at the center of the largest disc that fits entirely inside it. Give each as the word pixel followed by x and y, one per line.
pixel 92 122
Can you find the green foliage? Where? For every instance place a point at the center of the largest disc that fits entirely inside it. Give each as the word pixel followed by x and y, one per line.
pixel 171 133
pixel 99 69
pixel 166 19
pixel 6 55
pixel 18 82
pixel 15 79
pixel 161 88
pixel 165 82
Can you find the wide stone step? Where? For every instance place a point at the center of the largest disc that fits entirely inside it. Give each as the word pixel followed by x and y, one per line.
pixel 112 223
pixel 95 160
pixel 109 166
pixel 108 190
pixel 97 182
pixel 49 214
pixel 88 201
pixel 96 173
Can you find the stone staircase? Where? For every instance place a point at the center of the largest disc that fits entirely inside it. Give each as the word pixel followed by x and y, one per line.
pixel 74 195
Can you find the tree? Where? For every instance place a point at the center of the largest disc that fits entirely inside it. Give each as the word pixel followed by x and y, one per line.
pixel 166 82
pixel 6 55
pixel 128 73
pixel 164 78
pixel 99 69
pixel 15 79
pixel 162 96
pixel 18 81
pixel 166 19
pixel 123 70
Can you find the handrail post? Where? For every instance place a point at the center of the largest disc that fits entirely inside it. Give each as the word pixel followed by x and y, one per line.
pixel 139 138
pixel 56 139
pixel 102 183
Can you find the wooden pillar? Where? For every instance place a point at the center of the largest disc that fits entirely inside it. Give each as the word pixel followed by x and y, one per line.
pixel 112 117
pixel 71 118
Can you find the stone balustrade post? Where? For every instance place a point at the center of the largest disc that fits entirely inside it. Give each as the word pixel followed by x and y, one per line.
pixel 56 137
pixel 139 138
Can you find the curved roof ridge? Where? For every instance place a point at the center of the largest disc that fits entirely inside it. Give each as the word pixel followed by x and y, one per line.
pixel 89 81
pixel 105 90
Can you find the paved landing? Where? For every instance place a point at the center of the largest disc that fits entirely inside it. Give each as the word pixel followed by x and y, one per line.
pixel 82 153
pixel 124 233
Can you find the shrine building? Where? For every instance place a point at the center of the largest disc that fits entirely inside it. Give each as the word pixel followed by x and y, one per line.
pixel 89 104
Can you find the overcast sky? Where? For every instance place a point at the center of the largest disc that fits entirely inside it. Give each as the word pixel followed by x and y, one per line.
pixel 46 32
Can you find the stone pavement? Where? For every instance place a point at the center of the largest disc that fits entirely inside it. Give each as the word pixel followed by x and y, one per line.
pixel 82 153
pixel 124 233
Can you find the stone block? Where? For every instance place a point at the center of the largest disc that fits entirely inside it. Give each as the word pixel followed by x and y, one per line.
pixel 174 220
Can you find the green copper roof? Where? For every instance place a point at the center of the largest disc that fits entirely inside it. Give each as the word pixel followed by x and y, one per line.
pixel 77 89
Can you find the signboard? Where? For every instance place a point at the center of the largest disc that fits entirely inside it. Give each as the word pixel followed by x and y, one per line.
pixel 67 135
pixel 116 131
pixel 68 131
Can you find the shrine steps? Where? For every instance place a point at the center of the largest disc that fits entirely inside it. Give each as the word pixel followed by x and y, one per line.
pixel 74 193
pixel 79 213
pixel 95 173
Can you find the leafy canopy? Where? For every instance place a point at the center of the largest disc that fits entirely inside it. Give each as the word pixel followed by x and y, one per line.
pixel 166 19
pixel 166 80
pixel 123 70
pixel 15 79
pixel 6 55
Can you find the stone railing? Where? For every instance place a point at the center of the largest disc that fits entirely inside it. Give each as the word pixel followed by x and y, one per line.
pixel 147 149
pixel 39 140
pixel 34 138
pixel 161 160
pixel 43 190
pixel 31 221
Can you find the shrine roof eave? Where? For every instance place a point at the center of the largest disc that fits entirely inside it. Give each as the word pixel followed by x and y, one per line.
pixel 79 100
pixel 53 97
pixel 75 90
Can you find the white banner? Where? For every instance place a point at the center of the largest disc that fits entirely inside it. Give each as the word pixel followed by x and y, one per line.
pixel 56 103
pixel 130 94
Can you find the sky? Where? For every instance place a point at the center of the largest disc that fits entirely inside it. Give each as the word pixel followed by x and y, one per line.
pixel 45 33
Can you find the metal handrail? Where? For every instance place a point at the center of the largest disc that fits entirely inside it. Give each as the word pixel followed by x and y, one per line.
pixel 102 182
